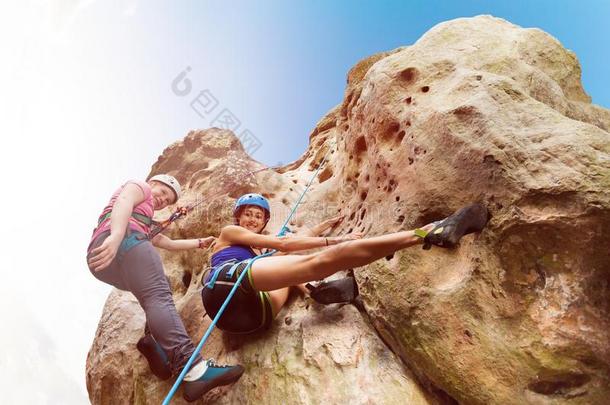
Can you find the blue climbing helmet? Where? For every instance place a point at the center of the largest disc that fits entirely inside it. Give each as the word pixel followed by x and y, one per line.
pixel 252 199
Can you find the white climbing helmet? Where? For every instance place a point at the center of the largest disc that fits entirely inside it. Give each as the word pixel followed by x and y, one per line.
pixel 169 181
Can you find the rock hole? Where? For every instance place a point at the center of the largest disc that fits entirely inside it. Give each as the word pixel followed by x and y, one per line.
pixel 351 217
pixel 389 257
pixel 400 219
pixel 326 174
pixel 360 145
pixel 409 74
pixel 187 276
pixel 400 136
pixel 363 195
pixel 425 89
pixel 408 100
pixel 444 397
pixel 397 198
pixel 363 214
pixel 294 181
pixel 561 383
pixel 411 160
pixel 368 177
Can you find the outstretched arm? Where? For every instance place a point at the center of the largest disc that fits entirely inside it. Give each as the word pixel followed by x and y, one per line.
pixel 234 234
pixel 163 242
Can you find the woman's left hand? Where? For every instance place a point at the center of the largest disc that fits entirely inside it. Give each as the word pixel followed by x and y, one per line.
pixel 351 236
pixel 332 222
pixel 207 242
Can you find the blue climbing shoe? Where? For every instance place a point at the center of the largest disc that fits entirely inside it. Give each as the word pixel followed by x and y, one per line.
pixel 214 376
pixel 157 359
pixel 447 233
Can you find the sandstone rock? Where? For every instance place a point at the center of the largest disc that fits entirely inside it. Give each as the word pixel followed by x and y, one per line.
pixel 477 110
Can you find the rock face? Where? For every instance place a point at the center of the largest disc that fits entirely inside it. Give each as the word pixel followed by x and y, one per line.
pixel 477 110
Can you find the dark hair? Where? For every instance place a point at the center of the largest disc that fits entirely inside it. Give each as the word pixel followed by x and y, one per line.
pixel 241 209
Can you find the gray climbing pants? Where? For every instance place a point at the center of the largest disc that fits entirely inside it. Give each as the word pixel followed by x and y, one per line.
pixel 140 271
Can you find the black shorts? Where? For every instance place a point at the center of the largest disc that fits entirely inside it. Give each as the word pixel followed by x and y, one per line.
pixel 248 311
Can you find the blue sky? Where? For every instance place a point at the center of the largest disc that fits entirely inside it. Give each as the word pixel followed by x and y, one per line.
pixel 280 66
pixel 288 63
pixel 87 103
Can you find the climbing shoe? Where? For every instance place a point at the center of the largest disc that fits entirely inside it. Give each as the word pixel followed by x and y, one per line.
pixel 447 232
pixel 157 359
pixel 206 375
pixel 335 291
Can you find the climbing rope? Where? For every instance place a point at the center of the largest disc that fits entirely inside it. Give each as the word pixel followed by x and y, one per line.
pixel 282 232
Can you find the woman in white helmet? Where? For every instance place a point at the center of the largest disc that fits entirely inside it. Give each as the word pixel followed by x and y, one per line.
pixel 120 254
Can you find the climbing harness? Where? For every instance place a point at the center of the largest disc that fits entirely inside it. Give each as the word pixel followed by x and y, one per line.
pixel 141 218
pixel 282 232
pixel 249 311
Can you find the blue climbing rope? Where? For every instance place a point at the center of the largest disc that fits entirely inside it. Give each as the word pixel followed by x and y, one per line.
pixel 282 232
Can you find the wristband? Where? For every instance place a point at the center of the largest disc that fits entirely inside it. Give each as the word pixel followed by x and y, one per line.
pixel 200 243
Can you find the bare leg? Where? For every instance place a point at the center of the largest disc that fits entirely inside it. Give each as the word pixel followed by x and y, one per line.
pixel 278 299
pixel 272 273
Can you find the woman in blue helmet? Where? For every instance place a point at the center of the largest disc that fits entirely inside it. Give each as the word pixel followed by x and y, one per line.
pixel 264 290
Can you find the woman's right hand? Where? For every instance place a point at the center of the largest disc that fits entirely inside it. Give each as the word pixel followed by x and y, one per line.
pixel 103 255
